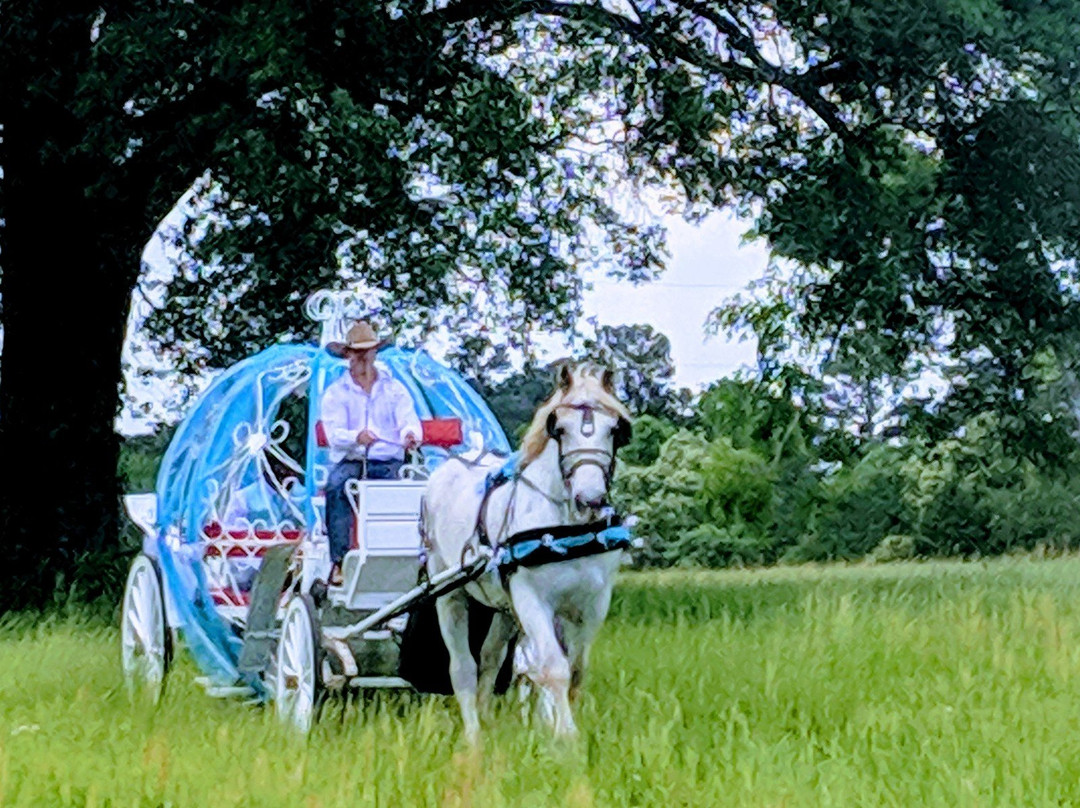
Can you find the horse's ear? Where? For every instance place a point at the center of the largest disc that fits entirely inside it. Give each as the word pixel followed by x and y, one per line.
pixel 623 433
pixel 552 430
pixel 566 376
pixel 608 380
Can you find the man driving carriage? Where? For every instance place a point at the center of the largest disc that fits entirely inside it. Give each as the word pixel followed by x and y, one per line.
pixel 370 423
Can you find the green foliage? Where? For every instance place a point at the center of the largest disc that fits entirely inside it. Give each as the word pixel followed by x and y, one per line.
pixel 857 508
pixel 708 503
pixel 761 416
pixel 640 357
pixel 711 545
pixel 699 502
pixel 650 433
pixel 514 400
pixel 737 484
pixel 140 457
pixel 937 231
pixel 914 167
pixel 895 547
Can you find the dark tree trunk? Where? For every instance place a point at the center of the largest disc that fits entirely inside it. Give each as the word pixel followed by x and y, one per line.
pixel 68 269
pixel 64 324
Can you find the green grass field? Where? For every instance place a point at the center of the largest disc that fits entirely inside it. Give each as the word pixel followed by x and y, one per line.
pixel 920 684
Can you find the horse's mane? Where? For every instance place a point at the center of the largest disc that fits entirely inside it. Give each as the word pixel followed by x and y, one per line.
pixel 586 386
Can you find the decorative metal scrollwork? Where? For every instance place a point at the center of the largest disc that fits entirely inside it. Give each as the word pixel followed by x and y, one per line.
pixel 337 310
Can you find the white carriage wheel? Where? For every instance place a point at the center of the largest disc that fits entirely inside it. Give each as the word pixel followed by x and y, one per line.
pixel 297 688
pixel 146 644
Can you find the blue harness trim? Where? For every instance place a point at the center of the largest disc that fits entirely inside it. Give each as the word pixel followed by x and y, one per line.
pixel 502 475
pixel 507 472
pixel 532 548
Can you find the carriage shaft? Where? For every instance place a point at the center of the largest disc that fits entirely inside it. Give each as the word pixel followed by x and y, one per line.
pixel 435 587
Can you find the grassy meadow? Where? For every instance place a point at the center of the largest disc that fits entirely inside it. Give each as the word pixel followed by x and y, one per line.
pixel 914 684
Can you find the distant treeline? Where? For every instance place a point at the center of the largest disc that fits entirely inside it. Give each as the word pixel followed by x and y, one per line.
pixel 751 479
pixel 750 475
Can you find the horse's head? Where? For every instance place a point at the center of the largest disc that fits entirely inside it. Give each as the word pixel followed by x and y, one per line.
pixel 589 425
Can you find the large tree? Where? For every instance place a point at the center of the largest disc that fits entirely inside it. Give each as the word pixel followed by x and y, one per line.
pixel 641 359
pixel 918 160
pixel 398 144
pixel 931 230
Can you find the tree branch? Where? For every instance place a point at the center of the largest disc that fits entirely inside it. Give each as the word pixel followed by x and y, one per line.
pixel 802 86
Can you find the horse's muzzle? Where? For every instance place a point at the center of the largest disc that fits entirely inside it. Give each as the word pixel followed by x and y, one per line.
pixel 590 504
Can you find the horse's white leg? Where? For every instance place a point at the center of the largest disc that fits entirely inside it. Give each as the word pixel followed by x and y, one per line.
pixel 575 642
pixel 578 642
pixel 577 648
pixel 549 668
pixel 453 610
pixel 493 652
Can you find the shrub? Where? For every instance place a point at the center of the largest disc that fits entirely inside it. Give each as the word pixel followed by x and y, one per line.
pixel 709 545
pixel 737 485
pixel 895 547
pixel 699 503
pixel 650 433
pixel 862 504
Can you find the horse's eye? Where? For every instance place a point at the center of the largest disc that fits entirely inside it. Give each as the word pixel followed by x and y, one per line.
pixel 553 428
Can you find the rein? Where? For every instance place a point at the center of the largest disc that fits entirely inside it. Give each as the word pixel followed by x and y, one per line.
pixel 497 480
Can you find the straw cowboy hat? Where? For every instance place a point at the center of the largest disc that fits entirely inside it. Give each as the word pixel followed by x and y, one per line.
pixel 359 337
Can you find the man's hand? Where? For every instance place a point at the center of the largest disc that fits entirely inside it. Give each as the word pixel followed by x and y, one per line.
pixel 411 442
pixel 366 438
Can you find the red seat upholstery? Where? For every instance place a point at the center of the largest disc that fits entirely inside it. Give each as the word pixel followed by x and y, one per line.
pixel 213 532
pixel 441 432
pixel 228 596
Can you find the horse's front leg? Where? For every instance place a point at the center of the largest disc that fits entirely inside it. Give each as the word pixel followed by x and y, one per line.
pixel 453 609
pixel 549 668
pixel 493 653
pixel 579 639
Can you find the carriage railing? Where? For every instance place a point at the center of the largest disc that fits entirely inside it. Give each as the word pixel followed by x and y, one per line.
pixel 231 558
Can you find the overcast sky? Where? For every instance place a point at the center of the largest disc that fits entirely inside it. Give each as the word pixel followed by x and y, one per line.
pixel 708 264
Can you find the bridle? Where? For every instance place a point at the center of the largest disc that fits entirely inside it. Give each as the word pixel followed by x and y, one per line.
pixel 571 461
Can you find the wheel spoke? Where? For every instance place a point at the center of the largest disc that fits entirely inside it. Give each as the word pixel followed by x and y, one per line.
pixel 296 678
pixel 143 631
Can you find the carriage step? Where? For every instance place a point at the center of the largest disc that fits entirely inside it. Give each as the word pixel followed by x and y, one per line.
pixel 393 627
pixel 378 681
pixel 223 691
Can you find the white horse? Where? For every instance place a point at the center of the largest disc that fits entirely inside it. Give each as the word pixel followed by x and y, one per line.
pixel 562 478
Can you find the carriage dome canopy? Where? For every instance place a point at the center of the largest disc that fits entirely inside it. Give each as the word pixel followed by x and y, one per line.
pixel 236 418
pixel 258 416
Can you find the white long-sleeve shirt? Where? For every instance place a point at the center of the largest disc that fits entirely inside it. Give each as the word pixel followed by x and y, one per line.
pixel 387 411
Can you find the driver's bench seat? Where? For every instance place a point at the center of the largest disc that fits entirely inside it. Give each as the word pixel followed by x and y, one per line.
pixel 383 561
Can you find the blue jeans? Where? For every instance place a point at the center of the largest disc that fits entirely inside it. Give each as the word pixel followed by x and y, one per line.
pixel 339 513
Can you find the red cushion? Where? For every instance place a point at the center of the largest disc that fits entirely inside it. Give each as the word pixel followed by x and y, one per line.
pixel 442 432
pixel 230 597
